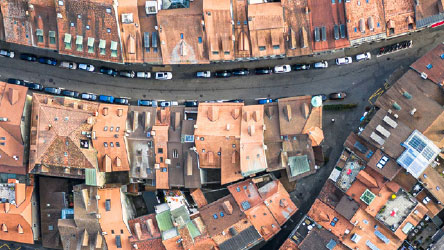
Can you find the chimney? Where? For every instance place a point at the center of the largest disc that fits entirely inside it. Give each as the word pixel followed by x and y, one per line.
pixel 7 207
pixel 413 111
pixel 138 230
pixel 265 230
pixel 150 226
pixel 235 113
pixel 147 120
pixel 13 96
pixel 287 111
pixel 251 130
pixel 283 203
pixel 85 238
pixel 85 197
pixel 74 105
pixel 213 113
pixel 307 10
pixel 4 228
pixel 20 229
pixel 269 112
pixel 119 112
pixel 228 208
pixel 105 111
pixel 135 121
pixel 118 162
pixel 256 115
pixel 228 127
pixel 246 116
pixel 99 240
pixel 305 110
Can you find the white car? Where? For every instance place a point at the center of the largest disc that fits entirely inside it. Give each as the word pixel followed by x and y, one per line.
pixel 68 65
pixel 344 60
pixel 321 65
pixel 164 76
pixel 363 56
pixel 7 53
pixel 143 75
pixel 203 74
pixel 87 67
pixel 282 69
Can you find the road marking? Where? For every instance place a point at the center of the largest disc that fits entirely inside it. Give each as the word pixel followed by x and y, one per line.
pixel 6 245
pixel 376 94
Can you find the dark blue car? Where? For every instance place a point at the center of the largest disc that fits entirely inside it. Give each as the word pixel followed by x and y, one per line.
pixel 106 98
pixel 47 60
pixel 144 103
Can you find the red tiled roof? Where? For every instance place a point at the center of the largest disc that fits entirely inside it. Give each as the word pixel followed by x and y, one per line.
pixel 365 19
pixel 263 221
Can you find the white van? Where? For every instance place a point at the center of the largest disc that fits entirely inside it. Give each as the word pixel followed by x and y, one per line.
pixel 363 56
pixel 143 75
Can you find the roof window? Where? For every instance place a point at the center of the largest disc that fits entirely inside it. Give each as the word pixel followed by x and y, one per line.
pixel 39 34
pixel 108 10
pixel 113 48
pixel 429 66
pixel 102 47
pixel 67 41
pixel 52 37
pixel 442 56
pixel 90 44
pixel 79 43
pixel 61 3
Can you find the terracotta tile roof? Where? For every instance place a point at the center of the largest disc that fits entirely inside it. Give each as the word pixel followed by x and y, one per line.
pixel 347 207
pixel 320 238
pixel 401 14
pixel 89 28
pixel 266 25
pixel 16 24
pixel 16 217
pixel 389 170
pixel 246 194
pixel 330 194
pixel 289 245
pixel 108 138
pixel 56 139
pixel 296 115
pixel 145 233
pixel 43 21
pixel 365 20
pixel 242 48
pixel 433 182
pixel 199 197
pixel 299 26
pixel 160 147
pixel 148 24
pixel 130 31
pixel 324 215
pixel 228 207
pixel 111 218
pixel 263 220
pixel 218 29
pixel 278 201
pixel 180 35
pixel 324 15
pixel 173 243
pixel 12 102
pixel 364 230
pixel 433 207
pixel 432 64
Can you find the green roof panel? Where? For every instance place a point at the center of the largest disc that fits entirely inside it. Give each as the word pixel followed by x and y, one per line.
pixel 298 165
pixel 164 221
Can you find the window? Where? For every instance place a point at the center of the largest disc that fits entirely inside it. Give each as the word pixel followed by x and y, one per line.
pixel 113 49
pixel 429 66
pixel 2 138
pixel 67 41
pixel 111 128
pixel 79 43
pixel 90 45
pixel 199 39
pixel 160 150
pixel 105 128
pixel 117 129
pixel 102 47
pixel 161 159
pixel 392 31
pixel 356 29
pixel 50 227
pixel 39 34
pixel 410 26
pixel 226 52
pixel 105 144
pixel 112 231
pixel 262 48
pixel 333 1
pixel 118 144
pixel 276 46
pixel 175 154
pixel 111 144
pixel 164 170
pixel 181 35
pixel 121 231
pixel 215 52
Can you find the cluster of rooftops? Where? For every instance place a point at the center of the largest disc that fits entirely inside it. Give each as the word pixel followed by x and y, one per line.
pixel 204 31
pixel 388 178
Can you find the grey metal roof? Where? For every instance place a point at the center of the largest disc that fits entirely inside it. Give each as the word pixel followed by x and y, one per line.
pixel 243 240
pixel 429 20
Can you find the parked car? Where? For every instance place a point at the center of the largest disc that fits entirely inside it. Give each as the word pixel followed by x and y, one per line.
pixel 344 60
pixel 203 74
pixel 108 71
pixel 191 103
pixel 121 100
pixel 48 60
pixel 323 96
pixel 145 75
pixel 301 67
pixel 7 53
pixel 163 76
pixel 70 93
pixel 222 74
pixel 144 103
pixel 264 100
pixel 127 73
pixel 282 69
pixel 164 103
pixel 363 56
pixel 33 85
pixel 154 103
pixel 68 65
pixel 263 71
pixel 16 81
pixel 28 57
pixel 106 98
pixel 320 65
pixel 240 72
pixel 52 90
pixel 87 67
pixel 88 96
pixel 337 96
pixel 235 101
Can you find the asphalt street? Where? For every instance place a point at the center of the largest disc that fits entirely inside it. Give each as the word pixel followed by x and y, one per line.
pixel 358 80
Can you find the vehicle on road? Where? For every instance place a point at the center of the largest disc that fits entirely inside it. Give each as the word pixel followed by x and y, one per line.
pixel 235 101
pixel 264 100
pixel 263 71
pixel 298 67
pixel 344 60
pixel 48 60
pixel 127 73
pixel 203 74
pixel 87 67
pixel 337 96
pixel 240 72
pixel 320 65
pixel 363 56
pixel 7 53
pixel 33 85
pixel 145 75
pixel 70 93
pixel 144 103
pixel 121 100
pixel 279 69
pixel 52 90
pixel 88 96
pixel 106 98
pixel 191 103
pixel 163 76
pixel 323 96
pixel 222 74
pixel 168 103
pixel 28 57
pixel 108 71
pixel 68 65
pixel 16 81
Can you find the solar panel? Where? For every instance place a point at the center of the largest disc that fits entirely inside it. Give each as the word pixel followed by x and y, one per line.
pixel 417 143
pixel 154 43
pixel 336 32
pixel 324 33
pixel 371 245
pixel 382 237
pixel 342 30
pixel 317 34
pixel 146 39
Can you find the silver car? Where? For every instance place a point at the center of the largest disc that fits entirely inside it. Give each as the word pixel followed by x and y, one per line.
pixel 87 67
pixel 68 65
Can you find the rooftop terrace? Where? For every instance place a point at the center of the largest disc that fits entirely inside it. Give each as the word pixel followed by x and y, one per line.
pixel 349 172
pixel 396 210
